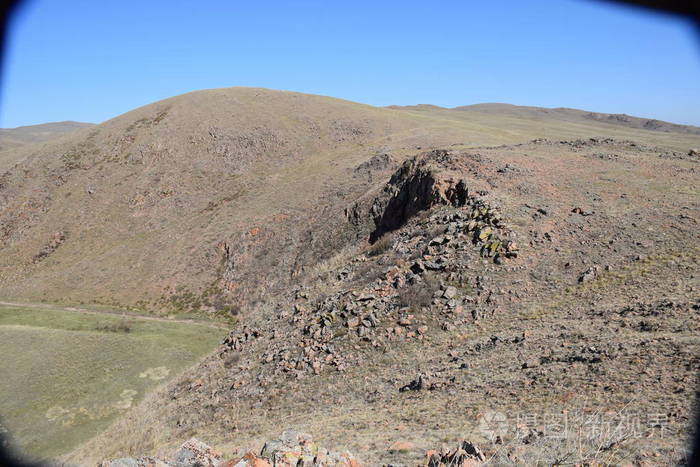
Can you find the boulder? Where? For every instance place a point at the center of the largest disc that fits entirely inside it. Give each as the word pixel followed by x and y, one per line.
pixel 467 454
pixel 249 460
pixel 415 385
pixel 589 274
pixel 450 292
pixel 418 267
pixel 195 453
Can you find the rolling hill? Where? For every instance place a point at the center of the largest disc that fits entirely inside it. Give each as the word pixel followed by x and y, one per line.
pixel 395 274
pixel 138 207
pixel 581 116
pixel 15 137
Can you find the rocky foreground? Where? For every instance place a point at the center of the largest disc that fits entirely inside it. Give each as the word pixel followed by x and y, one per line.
pixel 521 297
pixel 291 449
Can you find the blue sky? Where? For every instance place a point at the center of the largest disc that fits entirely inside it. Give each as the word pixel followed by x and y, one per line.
pixel 93 60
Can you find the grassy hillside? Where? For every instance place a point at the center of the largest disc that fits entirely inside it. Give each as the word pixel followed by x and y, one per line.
pixel 66 375
pixel 261 205
pixel 580 116
pixel 16 137
pixel 140 210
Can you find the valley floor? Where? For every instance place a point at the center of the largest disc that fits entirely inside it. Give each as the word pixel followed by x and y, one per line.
pixel 68 372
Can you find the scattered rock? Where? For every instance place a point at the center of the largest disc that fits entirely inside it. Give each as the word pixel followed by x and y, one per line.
pixel 292 448
pixel 589 274
pixel 580 211
pixel 467 454
pixel 123 462
pixel 56 241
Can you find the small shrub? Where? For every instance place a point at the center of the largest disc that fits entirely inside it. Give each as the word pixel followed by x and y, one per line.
pixel 365 273
pixel 432 231
pixel 231 359
pixel 233 310
pixel 383 244
pixel 121 326
pixel 419 295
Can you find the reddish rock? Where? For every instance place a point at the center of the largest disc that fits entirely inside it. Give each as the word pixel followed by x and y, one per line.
pixel 249 460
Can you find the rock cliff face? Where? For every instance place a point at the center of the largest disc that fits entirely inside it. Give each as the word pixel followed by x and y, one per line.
pixel 421 182
pixel 417 186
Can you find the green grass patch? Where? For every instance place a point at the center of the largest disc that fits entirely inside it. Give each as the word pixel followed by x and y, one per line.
pixel 66 375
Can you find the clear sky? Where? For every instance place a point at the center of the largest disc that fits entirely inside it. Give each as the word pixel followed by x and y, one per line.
pixel 91 60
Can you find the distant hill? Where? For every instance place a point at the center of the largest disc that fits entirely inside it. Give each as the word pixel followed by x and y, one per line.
pixel 575 115
pixel 560 114
pixel 15 137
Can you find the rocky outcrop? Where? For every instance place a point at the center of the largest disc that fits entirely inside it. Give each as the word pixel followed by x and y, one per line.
pixel 292 448
pixel 376 164
pixel 419 184
pixel 421 276
pixel 56 241
pixel 429 180
pixel 465 455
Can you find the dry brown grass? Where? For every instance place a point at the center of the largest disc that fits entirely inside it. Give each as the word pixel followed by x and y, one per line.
pixel 284 227
pixel 381 246
pixel 169 181
pixel 419 295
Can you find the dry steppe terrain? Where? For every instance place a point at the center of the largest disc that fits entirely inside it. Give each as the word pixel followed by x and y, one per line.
pixel 15 137
pixel 407 274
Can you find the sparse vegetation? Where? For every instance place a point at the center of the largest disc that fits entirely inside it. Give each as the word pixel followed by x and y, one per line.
pixel 256 216
pixel 382 245
pixel 419 295
pixel 123 326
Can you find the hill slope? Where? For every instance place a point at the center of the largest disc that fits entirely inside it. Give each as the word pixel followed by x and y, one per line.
pixel 574 115
pixel 397 274
pixel 15 137
pixel 538 299
pixel 169 196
